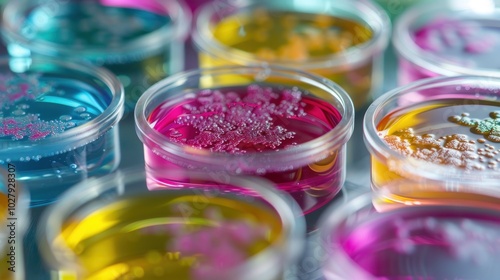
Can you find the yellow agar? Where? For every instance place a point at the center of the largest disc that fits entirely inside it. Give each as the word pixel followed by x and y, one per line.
pixel 395 189
pixel 297 38
pixel 130 238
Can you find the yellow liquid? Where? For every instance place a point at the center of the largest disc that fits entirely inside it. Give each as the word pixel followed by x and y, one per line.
pixel 169 237
pixel 294 37
pixel 436 132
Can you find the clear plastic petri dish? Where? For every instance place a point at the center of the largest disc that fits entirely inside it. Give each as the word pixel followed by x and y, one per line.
pixel 14 220
pixel 340 40
pixel 436 140
pixel 141 42
pixel 442 241
pixel 223 228
pixel 281 124
pixel 58 123
pixel 448 38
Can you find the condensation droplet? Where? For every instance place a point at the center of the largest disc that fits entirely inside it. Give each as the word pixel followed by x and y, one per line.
pixel 175 133
pixel 65 118
pixel 85 116
pixel 18 112
pixel 80 109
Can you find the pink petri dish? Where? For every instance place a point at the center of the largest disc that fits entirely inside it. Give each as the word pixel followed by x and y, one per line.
pixel 284 125
pixel 448 38
pixel 445 241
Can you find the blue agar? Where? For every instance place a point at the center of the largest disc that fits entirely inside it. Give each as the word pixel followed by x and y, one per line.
pixel 36 107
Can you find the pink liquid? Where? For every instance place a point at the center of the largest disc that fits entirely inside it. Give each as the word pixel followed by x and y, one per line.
pixel 470 43
pixel 435 243
pixel 250 120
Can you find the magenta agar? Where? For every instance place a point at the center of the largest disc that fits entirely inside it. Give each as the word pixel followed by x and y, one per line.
pixel 418 242
pixel 452 38
pixel 252 120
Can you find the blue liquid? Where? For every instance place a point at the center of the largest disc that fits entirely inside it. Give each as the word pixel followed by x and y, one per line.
pixel 86 25
pixel 35 108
